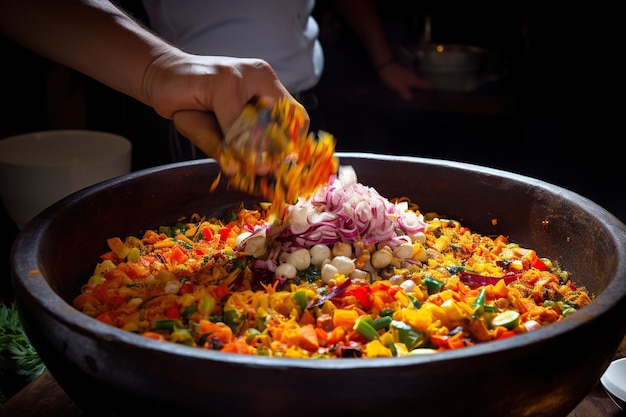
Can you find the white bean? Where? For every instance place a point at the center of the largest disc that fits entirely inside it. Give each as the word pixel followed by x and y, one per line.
pixel 408 285
pixel 344 264
pixel 381 258
pixel 328 272
pixel 300 258
pixel 286 270
pixel 319 253
pixel 419 237
pixel 397 279
pixel 403 251
pixel 359 274
pixel 242 237
pixel 342 249
pixel 255 246
pixel 172 287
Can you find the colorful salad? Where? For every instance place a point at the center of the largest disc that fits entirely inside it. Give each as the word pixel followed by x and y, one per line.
pixel 344 273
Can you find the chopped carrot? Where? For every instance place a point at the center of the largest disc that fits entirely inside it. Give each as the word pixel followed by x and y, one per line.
pixel 322 336
pixel 337 335
pixel 107 256
pixel 219 330
pixel 308 338
pixel 307 318
pixel 178 256
pixel 154 335
pixel 237 346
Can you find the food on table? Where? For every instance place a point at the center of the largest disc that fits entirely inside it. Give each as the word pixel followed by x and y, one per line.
pixel 343 273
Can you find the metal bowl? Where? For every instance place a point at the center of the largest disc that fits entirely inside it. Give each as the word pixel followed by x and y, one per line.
pixel 455 67
pixel 108 371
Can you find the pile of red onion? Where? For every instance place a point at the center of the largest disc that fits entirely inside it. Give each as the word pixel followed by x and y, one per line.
pixel 347 211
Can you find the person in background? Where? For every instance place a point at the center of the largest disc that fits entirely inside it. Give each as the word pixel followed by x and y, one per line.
pixel 282 32
pixel 201 94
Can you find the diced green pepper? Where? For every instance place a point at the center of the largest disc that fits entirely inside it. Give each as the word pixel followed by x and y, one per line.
pixel 232 318
pixel 406 334
pixel 365 329
pixel 133 255
pixel 433 286
pixel 479 304
pixel 301 299
pixel 415 301
pixel 189 310
pixel 382 322
pixel 170 325
pixel 207 304
pixel 251 333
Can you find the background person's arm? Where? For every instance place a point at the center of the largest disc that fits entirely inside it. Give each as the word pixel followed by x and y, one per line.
pixel 362 16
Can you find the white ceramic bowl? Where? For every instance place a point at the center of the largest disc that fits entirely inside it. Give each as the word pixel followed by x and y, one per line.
pixel 455 68
pixel 614 382
pixel 37 169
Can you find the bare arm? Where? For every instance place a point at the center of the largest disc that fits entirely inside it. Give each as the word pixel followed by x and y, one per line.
pixel 98 39
pixel 362 16
pixel 93 37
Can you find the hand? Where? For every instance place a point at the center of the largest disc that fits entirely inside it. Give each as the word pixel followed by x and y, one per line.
pixel 176 81
pixel 402 79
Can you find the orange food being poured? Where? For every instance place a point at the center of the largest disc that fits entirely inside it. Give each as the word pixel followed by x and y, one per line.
pixel 270 152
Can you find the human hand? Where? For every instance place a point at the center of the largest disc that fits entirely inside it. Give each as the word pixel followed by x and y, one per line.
pixel 402 79
pixel 218 86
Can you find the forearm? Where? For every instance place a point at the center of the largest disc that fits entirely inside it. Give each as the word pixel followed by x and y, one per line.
pixel 85 38
pixel 363 19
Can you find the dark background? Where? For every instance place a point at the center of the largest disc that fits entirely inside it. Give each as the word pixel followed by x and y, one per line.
pixel 552 113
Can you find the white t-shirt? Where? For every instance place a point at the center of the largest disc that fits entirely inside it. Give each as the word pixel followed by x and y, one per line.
pixel 282 32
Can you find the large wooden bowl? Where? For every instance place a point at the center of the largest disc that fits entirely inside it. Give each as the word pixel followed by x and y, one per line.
pixel 108 371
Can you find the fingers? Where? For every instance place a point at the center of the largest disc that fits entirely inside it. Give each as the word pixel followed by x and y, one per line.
pixel 178 81
pixel 250 79
pixel 403 80
pixel 201 128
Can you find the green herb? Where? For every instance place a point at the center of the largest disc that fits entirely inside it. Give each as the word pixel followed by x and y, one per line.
pixel 17 356
pixel 310 274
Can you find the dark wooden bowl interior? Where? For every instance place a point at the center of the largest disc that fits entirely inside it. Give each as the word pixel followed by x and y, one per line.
pixel 109 371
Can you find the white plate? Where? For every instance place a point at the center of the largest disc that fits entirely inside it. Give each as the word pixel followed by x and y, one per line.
pixel 614 382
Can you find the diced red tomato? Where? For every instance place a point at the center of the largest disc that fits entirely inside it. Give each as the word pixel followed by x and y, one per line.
pixel 206 233
pixel 361 293
pixel 186 288
pixel 539 264
pixel 117 300
pixel 172 312
pixel 224 233
pixel 220 291
pixel 441 341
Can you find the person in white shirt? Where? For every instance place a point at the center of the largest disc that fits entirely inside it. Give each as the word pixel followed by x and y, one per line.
pixel 282 32
pixel 201 94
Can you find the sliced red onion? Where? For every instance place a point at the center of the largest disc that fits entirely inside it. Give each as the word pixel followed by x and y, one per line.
pixel 345 210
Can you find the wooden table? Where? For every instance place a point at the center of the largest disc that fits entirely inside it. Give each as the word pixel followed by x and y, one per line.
pixel 45 398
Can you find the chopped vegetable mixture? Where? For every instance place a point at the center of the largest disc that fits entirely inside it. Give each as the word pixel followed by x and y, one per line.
pixel 344 273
